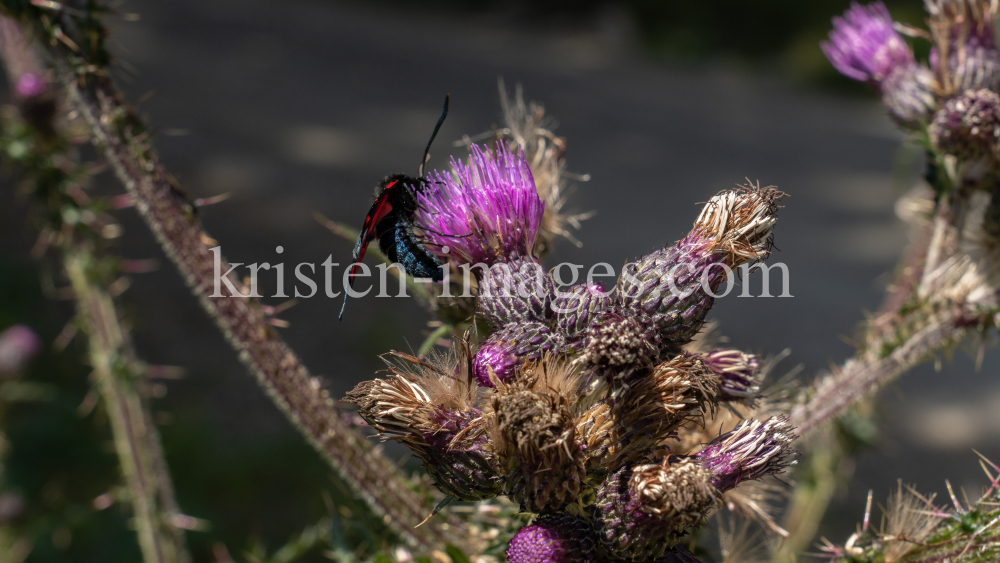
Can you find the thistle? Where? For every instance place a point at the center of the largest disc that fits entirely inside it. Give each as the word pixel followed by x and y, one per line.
pixel 576 308
pixel 483 211
pixel 673 287
pixel 430 408
pixel 554 538
pixel 864 45
pixel 511 346
pixel 753 450
pixel 964 55
pixel 738 373
pixel 515 291
pixel 643 510
pixel 535 432
pixel 968 126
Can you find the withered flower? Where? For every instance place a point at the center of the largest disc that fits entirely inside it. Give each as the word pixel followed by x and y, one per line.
pixel 642 510
pixel 752 450
pixel 674 287
pixel 649 409
pixel 431 409
pixel 534 433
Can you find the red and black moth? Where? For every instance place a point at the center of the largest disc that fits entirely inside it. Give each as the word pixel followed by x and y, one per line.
pixel 391 221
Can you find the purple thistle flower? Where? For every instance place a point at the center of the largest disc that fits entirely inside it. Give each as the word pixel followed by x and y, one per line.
pixel 752 450
pixel 483 211
pixel 554 538
pixel 864 45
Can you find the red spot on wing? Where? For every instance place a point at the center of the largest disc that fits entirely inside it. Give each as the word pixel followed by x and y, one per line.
pixel 378 211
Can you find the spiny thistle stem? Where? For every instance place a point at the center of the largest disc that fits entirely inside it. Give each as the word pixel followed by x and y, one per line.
pixel 857 378
pixel 124 142
pixel 137 441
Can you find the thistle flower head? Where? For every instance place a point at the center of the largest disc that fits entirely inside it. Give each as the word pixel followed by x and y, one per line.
pixel 510 347
pixel 968 126
pixel 737 373
pixel 529 128
pixel 864 45
pixel 534 432
pixel 909 95
pixel 576 308
pixel 738 223
pixel 619 341
pixel 485 210
pixel 642 510
pixel 649 407
pixel 554 538
pixel 964 54
pixel 430 409
pixel 752 450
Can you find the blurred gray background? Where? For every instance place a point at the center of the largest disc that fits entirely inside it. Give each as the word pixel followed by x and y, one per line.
pixel 302 106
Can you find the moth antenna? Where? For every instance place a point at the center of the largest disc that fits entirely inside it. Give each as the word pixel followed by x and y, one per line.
pixel 427 151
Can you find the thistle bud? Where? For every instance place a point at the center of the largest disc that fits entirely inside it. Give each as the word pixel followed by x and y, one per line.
pixel 554 538
pixel 908 95
pixel 751 451
pixel 511 346
pixel 650 407
pixel 428 409
pixel 485 211
pixel 642 510
pixel 968 126
pixel 737 371
pixel 516 291
pixel 674 287
pixel 535 433
pixel 576 308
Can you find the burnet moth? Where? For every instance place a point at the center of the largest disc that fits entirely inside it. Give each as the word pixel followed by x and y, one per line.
pixel 390 220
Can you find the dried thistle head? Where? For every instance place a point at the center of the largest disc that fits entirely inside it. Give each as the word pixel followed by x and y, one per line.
pixel 641 511
pixel 906 522
pixel 738 223
pixel 617 345
pixel 429 407
pixel 751 451
pixel 964 56
pixel 534 432
pixel 528 127
pixel 649 408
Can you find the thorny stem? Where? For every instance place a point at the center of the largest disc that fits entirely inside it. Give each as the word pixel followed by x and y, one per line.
pixel 927 333
pixel 137 441
pixel 124 141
